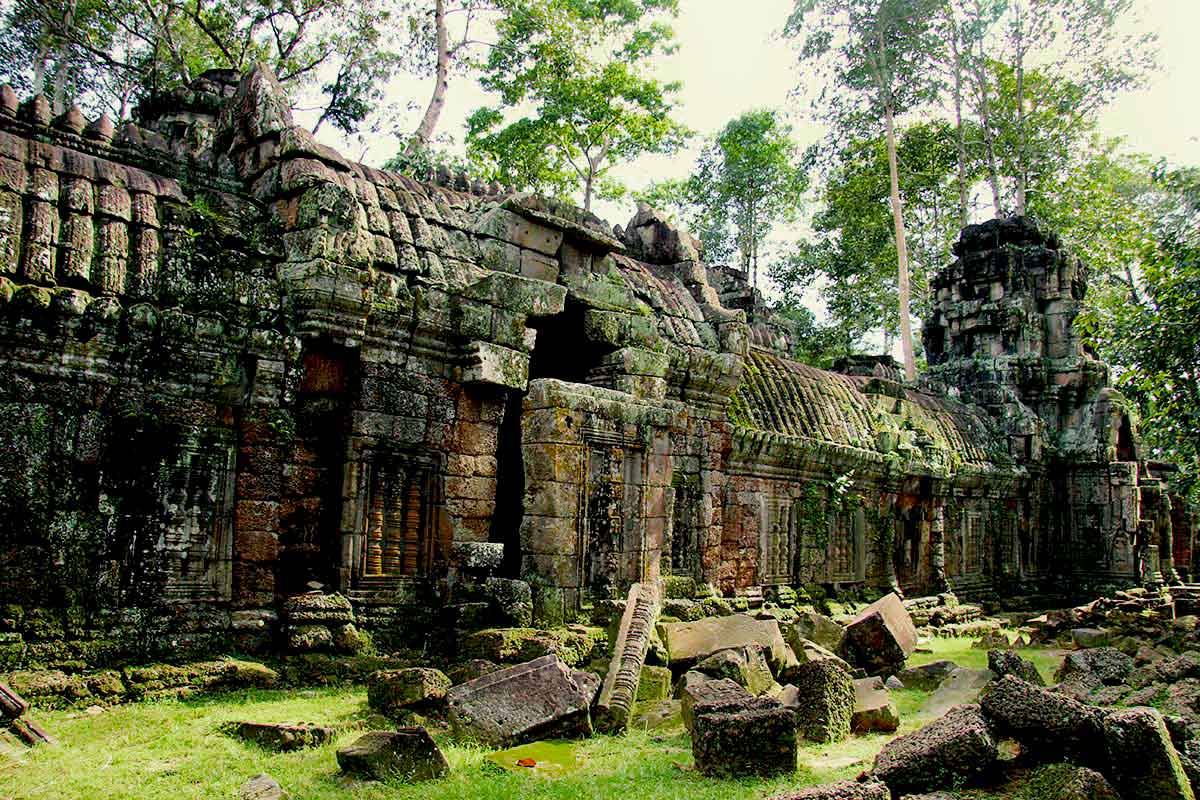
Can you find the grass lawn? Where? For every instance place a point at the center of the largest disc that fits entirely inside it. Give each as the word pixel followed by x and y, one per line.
pixel 175 750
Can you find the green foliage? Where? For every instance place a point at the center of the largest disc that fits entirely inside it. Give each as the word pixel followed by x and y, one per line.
pixel 748 179
pixel 108 55
pixel 579 68
pixel 851 260
pixel 1141 316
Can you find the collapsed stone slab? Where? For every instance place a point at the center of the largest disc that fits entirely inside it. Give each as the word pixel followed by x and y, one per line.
pixel 881 637
pixel 1049 723
pixel 393 690
pixel 744 736
pixel 535 700
pixel 1006 662
pixel 1142 761
pixel 283 737
pixel 815 627
pixel 947 751
pixel 689 642
pixel 746 666
pixel 408 753
pixel 842 790
pixel 1106 664
pixel 696 688
pixel 874 710
pixel 927 677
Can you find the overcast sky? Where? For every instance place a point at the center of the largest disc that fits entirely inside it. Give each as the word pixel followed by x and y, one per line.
pixel 730 60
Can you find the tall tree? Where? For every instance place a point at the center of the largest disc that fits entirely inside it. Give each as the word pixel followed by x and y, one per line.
pixel 851 258
pixel 105 54
pixel 876 51
pixel 579 67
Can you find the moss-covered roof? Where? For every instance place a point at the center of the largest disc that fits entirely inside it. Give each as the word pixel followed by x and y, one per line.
pixel 785 397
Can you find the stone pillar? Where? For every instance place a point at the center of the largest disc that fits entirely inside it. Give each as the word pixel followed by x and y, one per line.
pixel 937 548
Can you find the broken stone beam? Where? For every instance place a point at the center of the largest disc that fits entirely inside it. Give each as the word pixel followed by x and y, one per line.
pixel 29 732
pixel 620 687
pixel 12 705
pixel 535 700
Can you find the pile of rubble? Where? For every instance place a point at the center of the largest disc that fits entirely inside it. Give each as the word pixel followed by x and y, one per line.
pixel 1094 724
pixel 1129 618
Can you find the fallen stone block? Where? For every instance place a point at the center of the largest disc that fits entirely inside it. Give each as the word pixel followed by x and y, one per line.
pixel 746 666
pixel 1107 664
pixel 29 732
pixel 1044 721
pixel 631 646
pixel 842 790
pixel 811 651
pixel 407 753
pixel 283 737
pixel 261 787
pixel 824 702
pixel 535 700
pixel 927 677
pixel 392 690
pixel 961 686
pixel 589 683
pixel 816 628
pixel 654 684
pixel 688 643
pixel 945 752
pixel 660 714
pixel 1006 662
pixel 744 736
pixel 874 710
pixel 470 670
pixel 1068 782
pixel 1084 638
pixel 1142 762
pixel 697 688
pixel 881 637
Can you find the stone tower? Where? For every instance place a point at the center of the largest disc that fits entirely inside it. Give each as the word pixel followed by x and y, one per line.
pixel 1002 335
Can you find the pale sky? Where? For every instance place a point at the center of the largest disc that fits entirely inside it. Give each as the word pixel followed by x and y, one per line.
pixel 730 61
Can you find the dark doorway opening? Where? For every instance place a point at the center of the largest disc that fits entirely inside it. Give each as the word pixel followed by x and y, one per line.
pixel 562 349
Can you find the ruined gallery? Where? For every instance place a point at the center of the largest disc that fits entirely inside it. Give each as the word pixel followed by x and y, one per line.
pixel 240 368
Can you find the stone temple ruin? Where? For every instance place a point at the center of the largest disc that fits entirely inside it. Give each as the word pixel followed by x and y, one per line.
pixel 240 367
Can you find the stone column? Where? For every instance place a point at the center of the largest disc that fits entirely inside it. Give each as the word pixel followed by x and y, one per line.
pixel 937 548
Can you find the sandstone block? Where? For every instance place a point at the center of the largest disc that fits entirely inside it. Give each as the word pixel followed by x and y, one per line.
pixel 1044 721
pixel 1107 664
pixel 389 691
pixel 283 737
pixel 817 628
pixel 746 666
pixel 744 736
pixel 944 753
pixel 842 790
pixel 696 688
pixel 1006 662
pixel 690 642
pixel 881 637
pixel 261 787
pixel 927 677
pixel 535 700
pixel 654 684
pixel 1142 762
pixel 824 701
pixel 407 753
pixel 873 708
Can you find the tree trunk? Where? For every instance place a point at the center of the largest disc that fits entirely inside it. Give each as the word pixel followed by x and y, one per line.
pixel 964 216
pixel 62 58
pixel 588 182
pixel 906 343
pixel 424 133
pixel 1021 159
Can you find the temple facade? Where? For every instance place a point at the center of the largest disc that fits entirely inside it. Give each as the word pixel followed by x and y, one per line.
pixel 241 367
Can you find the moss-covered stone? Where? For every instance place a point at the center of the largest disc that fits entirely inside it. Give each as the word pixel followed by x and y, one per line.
pixel 390 691
pixel 824 702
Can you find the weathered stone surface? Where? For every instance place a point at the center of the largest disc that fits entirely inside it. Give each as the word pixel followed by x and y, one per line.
pixel 926 677
pixel 630 647
pixel 389 691
pixel 1044 721
pixel 1141 761
pixel 746 666
pixel 283 737
pixel 815 627
pixel 1068 782
pixel 824 702
pixel 874 710
pixel 689 642
pixel 1085 638
pixel 1107 664
pixel 261 787
pixel 535 700
pixel 842 790
pixel 1006 662
pixel 697 688
pixel 881 637
pixel 963 685
pixel 654 684
pixel 744 736
pixel 406 753
pixel 12 705
pixel 945 752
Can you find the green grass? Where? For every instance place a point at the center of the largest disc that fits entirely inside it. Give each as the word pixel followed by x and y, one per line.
pixel 174 750
pixel 959 651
